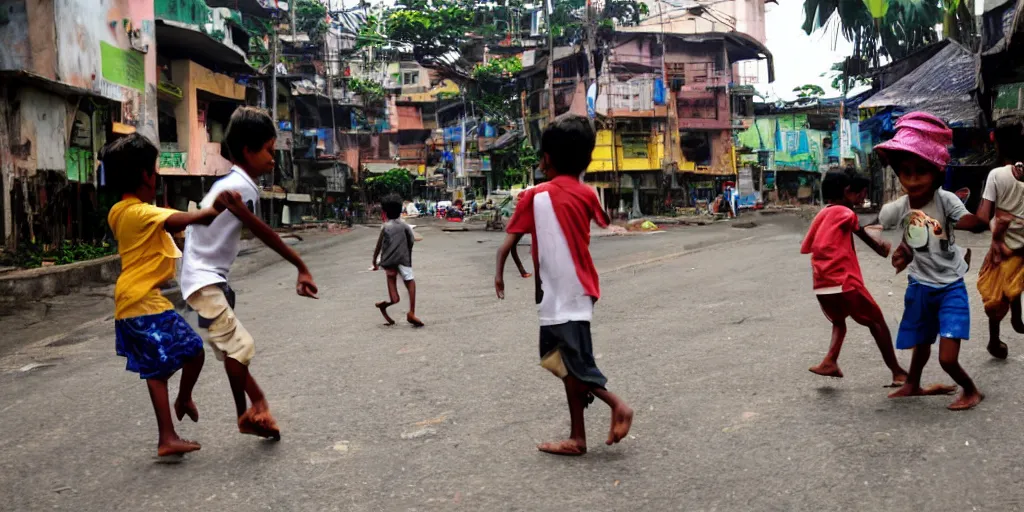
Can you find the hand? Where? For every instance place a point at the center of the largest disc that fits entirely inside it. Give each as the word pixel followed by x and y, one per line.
pixel 902 257
pixel 225 199
pixel 499 286
pixel 884 246
pixel 375 267
pixel 305 286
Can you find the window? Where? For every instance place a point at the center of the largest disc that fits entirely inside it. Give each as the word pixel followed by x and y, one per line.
pixel 411 78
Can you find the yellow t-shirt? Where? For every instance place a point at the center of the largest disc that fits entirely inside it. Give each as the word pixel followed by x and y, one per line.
pixel 147 257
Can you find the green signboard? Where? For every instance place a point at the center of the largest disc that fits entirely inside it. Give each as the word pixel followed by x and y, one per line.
pixel 123 67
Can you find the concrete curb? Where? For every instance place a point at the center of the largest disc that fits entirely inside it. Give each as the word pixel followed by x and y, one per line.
pixel 44 282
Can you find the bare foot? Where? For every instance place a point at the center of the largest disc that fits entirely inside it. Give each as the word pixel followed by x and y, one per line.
pixel 966 401
pixel 569 447
pixel 998 349
pixel 898 380
pixel 383 307
pixel 827 369
pixel 183 408
pixel 935 389
pixel 411 318
pixel 526 275
pixel 622 419
pixel 177 447
pixel 259 422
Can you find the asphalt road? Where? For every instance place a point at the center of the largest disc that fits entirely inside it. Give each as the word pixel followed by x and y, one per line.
pixel 707 331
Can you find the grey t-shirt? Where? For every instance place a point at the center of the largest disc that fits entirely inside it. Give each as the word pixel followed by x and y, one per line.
pixel 938 261
pixel 396 249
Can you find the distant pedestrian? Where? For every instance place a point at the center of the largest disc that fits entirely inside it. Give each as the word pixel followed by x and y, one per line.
pixel 394 253
pixel 211 250
pixel 936 303
pixel 838 283
pixel 155 340
pixel 1001 278
pixel 557 214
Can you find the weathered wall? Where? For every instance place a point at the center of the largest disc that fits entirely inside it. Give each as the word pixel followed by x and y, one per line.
pixel 107 46
pixel 38 124
pixel 27 32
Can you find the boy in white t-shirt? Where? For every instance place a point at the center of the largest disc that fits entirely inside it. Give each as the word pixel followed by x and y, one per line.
pixel 211 250
pixel 1001 278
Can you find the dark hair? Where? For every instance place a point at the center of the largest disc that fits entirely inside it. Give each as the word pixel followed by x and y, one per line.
pixel 250 128
pixel 1010 142
pixel 857 181
pixel 569 141
pixel 392 205
pixel 127 160
pixel 833 187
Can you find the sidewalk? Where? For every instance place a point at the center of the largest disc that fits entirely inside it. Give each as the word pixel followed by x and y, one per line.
pixel 56 320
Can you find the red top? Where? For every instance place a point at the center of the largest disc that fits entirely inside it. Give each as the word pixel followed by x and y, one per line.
pixel 574 205
pixel 830 244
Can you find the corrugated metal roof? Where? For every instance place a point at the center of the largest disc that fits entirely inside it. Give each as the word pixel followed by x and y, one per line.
pixel 943 86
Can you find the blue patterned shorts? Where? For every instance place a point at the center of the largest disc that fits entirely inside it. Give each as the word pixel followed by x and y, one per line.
pixel 157 345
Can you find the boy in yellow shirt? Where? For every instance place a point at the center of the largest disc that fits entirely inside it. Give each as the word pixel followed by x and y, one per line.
pixel 155 340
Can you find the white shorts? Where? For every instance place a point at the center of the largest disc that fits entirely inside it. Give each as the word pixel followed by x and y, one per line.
pixel 405 272
pixel 830 290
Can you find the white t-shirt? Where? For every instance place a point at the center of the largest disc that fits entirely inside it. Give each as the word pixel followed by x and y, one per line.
pixel 211 250
pixel 1007 193
pixel 564 299
pixel 938 261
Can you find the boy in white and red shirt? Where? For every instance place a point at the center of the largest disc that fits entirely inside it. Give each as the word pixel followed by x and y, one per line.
pixel 838 283
pixel 557 214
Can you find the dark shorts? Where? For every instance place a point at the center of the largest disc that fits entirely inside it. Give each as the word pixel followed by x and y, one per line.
pixel 157 345
pixel 566 349
pixel 930 313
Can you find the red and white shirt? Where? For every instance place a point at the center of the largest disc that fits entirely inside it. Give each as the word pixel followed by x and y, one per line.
pixel 557 214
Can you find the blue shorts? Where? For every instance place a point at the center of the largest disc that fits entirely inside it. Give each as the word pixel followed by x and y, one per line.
pixel 156 345
pixel 930 313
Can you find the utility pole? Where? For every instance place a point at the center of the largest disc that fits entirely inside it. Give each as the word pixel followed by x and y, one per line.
pixel 293 7
pixel 551 66
pixel 273 101
pixel 591 24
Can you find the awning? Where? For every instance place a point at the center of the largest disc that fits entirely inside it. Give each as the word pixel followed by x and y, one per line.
pixel 299 198
pixel 181 41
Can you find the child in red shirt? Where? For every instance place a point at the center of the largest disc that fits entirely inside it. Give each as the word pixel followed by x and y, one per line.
pixel 837 279
pixel 557 214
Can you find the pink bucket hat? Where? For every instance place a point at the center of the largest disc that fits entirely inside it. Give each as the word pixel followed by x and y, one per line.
pixel 922 134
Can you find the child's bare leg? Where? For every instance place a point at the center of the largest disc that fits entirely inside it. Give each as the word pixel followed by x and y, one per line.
pixel 410 286
pixel 189 375
pixel 912 387
pixel 829 367
pixel 257 419
pixel 519 263
pixel 238 374
pixel 169 443
pixel 576 394
pixel 874 320
pixel 949 358
pixel 622 415
pixel 1015 316
pixel 996 314
pixel 393 298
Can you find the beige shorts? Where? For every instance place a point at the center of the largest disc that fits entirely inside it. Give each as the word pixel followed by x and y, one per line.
pixel 225 334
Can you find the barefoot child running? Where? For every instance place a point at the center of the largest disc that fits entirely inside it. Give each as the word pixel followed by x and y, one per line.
pixel 936 304
pixel 557 214
pixel 1001 278
pixel 394 253
pixel 155 340
pixel 838 282
pixel 211 250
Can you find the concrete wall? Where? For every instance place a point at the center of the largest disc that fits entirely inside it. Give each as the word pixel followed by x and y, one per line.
pixel 108 47
pixel 38 131
pixel 28 37
pixel 203 157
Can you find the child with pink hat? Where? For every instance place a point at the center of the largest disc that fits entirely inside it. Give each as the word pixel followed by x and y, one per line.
pixel 936 298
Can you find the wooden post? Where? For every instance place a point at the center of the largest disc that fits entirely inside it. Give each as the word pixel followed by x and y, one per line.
pixel 6 172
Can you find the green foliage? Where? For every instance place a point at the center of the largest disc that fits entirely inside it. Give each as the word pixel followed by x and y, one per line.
pixel 809 92
pixel 497 69
pixel 371 91
pixel 311 18
pixel 397 180
pixel 33 256
pixel 905 25
pixel 517 163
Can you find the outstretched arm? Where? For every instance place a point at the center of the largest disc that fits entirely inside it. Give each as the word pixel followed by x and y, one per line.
pixel 878 244
pixel 511 240
pixel 177 222
pixel 304 285
pixel 971 222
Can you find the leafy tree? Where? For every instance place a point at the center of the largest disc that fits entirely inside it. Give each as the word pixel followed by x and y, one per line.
pixel 397 180
pixel 311 18
pixel 878 29
pixel 809 92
